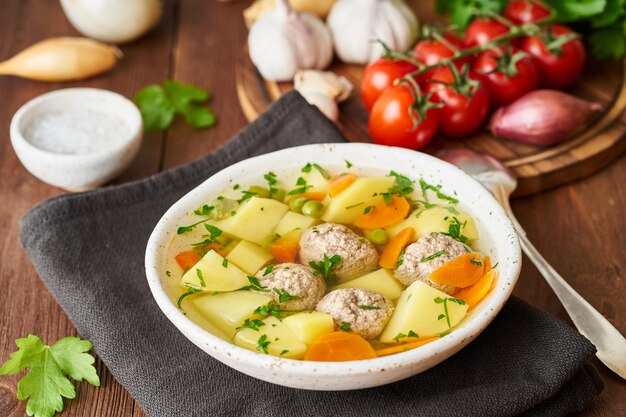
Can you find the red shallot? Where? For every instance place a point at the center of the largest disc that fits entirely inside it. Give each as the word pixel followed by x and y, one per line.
pixel 542 117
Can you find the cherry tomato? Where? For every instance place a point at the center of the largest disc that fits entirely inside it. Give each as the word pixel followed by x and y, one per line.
pixel 393 120
pixel 431 52
pixel 506 81
pixel 379 75
pixel 461 113
pixel 483 30
pixel 525 11
pixel 556 70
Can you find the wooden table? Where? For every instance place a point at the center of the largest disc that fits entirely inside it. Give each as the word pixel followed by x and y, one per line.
pixel 579 228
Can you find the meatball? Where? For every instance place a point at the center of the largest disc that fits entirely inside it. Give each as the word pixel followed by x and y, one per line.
pixel 425 256
pixel 366 312
pixel 296 280
pixel 358 255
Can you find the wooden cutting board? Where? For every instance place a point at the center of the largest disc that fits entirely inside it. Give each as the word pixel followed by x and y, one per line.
pixel 537 168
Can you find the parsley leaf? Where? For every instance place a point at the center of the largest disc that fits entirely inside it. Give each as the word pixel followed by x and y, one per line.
pixel 47 382
pixel 263 343
pixel 345 326
pixel 254 324
pixel 364 307
pixel 284 296
pixel 159 104
pixel 433 256
pixel 326 265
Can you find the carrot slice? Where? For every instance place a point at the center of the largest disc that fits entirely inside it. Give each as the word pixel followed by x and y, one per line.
pixel 404 347
pixel 383 215
pixel 339 347
pixel 460 272
pixel 391 253
pixel 313 195
pixel 341 183
pixel 472 295
pixel 285 248
pixel 188 259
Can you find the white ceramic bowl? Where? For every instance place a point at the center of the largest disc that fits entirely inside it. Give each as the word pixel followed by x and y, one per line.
pixel 497 239
pixel 77 171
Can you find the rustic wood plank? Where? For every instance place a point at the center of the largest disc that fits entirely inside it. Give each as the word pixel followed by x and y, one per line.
pixel 582 222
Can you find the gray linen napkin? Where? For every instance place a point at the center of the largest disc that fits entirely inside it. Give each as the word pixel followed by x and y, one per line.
pixel 89 250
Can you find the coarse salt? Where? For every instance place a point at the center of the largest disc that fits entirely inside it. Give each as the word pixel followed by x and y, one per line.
pixel 80 131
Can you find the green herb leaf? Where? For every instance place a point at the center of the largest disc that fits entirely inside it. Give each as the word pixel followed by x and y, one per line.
pixel 348 163
pixel 284 351
pixel 400 260
pixel 200 277
pixel 284 296
pixel 326 265
pixel 189 292
pixel 225 263
pixel 254 324
pixel 301 187
pixel 307 168
pixel 364 307
pixel 322 171
pixel 256 285
pixel 345 326
pixel 437 189
pixel 47 383
pixel 159 103
pixel 433 256
pixel 268 269
pixel 263 343
pixel 476 262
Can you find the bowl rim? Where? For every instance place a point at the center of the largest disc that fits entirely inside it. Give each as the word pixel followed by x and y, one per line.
pixel 134 120
pixel 452 342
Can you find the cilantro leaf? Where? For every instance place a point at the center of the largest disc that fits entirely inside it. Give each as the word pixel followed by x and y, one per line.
pixel 159 104
pixel 46 383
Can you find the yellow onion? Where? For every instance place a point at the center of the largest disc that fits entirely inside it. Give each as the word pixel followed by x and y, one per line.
pixel 543 117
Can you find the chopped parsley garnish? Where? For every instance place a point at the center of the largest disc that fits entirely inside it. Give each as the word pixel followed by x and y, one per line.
pixel 348 163
pixel 225 263
pixel 168 273
pixel 322 171
pixel 444 301
pixel 368 209
pixel 325 266
pixel 355 205
pixel 270 309
pixel 301 187
pixel 400 260
pixel 263 343
pixel 476 262
pixel 270 177
pixel 246 195
pixel 214 233
pixel 190 291
pixel 254 324
pixel 236 187
pixel 200 277
pixel 495 265
pixel 345 326
pixel 403 185
pixel 437 190
pixel 455 229
pixel 284 296
pixel 185 229
pixel 364 307
pixel 282 352
pixel 268 269
pixel 256 285
pixel 432 256
pixel 205 210
pixel 404 336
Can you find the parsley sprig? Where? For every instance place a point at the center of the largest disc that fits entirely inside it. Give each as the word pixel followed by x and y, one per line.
pixel 301 187
pixel 432 256
pixel 444 301
pixel 253 324
pixel 326 265
pixel 263 343
pixel 47 381
pixel 401 335
pixel 307 168
pixel 437 190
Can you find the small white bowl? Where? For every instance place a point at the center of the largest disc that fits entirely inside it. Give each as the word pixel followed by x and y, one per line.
pixel 497 239
pixel 89 169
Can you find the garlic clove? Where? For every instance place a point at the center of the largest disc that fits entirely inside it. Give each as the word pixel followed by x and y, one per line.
pixel 283 41
pixel 113 21
pixel 259 8
pixel 324 82
pixel 324 103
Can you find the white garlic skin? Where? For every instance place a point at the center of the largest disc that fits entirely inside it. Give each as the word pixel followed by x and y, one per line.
pixel 113 21
pixel 283 41
pixel 356 24
pixel 323 89
pixel 326 104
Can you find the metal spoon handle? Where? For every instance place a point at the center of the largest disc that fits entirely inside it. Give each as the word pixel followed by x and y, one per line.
pixel 611 345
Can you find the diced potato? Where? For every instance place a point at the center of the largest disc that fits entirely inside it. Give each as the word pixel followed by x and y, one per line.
pixel 228 311
pixel 417 311
pixel 316 180
pixel 309 326
pixel 279 340
pixel 294 221
pixel 381 281
pixel 249 257
pixel 214 273
pixel 435 220
pixel 255 219
pixel 351 202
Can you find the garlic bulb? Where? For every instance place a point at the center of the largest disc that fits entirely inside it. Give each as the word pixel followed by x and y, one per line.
pixel 283 41
pixel 113 21
pixel 323 89
pixel 261 7
pixel 356 24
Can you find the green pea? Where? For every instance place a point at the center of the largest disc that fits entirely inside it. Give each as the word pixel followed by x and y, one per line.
pixel 278 194
pixel 297 203
pixel 259 191
pixel 377 236
pixel 313 209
